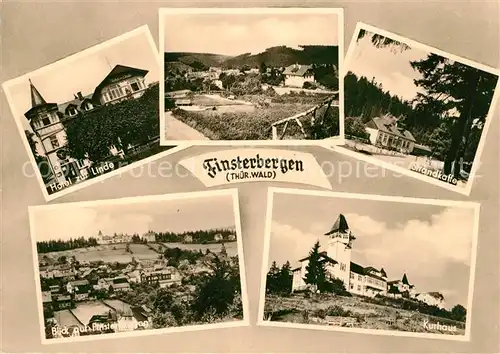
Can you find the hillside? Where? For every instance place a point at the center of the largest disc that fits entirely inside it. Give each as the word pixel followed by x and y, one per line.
pixel 356 310
pixel 279 56
pixel 207 59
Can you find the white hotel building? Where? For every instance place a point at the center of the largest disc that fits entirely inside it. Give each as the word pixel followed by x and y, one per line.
pixel 46 119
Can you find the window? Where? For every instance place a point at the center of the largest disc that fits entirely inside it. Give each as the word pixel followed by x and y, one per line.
pixel 54 141
pixel 342 267
pixel 352 286
pixel 46 121
pixel 88 106
pixel 359 287
pixel 360 278
pixel 135 86
pixel 72 111
pixel 352 275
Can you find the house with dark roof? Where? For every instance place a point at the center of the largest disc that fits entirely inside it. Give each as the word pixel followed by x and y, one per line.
pixel 431 298
pixel 385 132
pixel 122 83
pixel 297 74
pixel 357 279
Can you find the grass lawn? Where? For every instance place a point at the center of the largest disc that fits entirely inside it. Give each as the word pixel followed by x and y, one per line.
pixel 243 125
pixel 108 253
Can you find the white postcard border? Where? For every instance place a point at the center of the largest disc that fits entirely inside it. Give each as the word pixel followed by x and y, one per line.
pixel 328 142
pixel 233 192
pixel 143 30
pixel 409 200
pixel 466 190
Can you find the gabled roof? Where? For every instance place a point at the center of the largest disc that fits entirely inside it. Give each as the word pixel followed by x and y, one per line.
pixel 74 102
pixel 387 124
pixel 405 280
pixel 340 225
pixel 117 71
pixel 297 70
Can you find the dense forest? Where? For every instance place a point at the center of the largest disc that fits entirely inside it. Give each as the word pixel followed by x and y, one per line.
pixel 448 114
pixel 279 56
pixel 199 236
pixel 60 245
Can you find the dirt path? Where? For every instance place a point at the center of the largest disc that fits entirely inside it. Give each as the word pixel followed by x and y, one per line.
pixel 177 130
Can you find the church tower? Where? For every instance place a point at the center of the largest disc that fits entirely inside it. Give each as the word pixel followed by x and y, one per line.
pixel 339 248
pixel 44 119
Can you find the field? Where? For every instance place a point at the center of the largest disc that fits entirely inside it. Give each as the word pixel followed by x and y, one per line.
pixel 354 310
pixel 108 253
pixel 231 247
pixel 118 252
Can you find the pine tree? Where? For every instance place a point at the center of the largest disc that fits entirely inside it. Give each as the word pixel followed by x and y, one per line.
pixel 315 269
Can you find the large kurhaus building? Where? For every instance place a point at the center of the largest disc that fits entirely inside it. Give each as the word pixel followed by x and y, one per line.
pixel 360 280
pixel 46 119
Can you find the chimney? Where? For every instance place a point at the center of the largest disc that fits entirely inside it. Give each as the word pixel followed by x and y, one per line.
pixel 79 95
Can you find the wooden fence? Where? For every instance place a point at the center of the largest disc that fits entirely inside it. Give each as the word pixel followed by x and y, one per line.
pixel 331 101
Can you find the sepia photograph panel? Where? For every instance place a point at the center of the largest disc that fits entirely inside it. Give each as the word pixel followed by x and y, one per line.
pixel 254 75
pixel 139 265
pixel 416 109
pixel 88 115
pixel 369 264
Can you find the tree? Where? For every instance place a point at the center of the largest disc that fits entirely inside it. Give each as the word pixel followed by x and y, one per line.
pixel 459 313
pixel 381 41
pixel 216 290
pixel 458 87
pixel 263 68
pixel 131 122
pixel 315 269
pixel 354 126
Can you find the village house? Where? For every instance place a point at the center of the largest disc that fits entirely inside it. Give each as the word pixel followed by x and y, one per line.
pixel 46 119
pixel 62 302
pixel 188 239
pixel 149 236
pixel 401 287
pixel 297 74
pixel 366 281
pixel 231 237
pixel 431 299
pixel 218 237
pixel 72 286
pixel 164 277
pixel 384 132
pixel 113 239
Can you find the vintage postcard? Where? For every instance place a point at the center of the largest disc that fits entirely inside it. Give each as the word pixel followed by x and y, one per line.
pixel 138 266
pixel 415 109
pixel 90 115
pixel 369 264
pixel 251 75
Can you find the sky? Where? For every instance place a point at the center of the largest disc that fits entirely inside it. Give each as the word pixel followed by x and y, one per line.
pixel 235 34
pixel 431 244
pixel 190 214
pixel 69 75
pixel 389 67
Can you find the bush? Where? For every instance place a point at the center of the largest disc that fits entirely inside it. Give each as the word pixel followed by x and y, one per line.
pixel 354 126
pixel 309 85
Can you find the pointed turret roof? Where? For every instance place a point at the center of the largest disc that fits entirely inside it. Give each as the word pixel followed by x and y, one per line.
pixel 36 97
pixel 405 280
pixel 340 225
